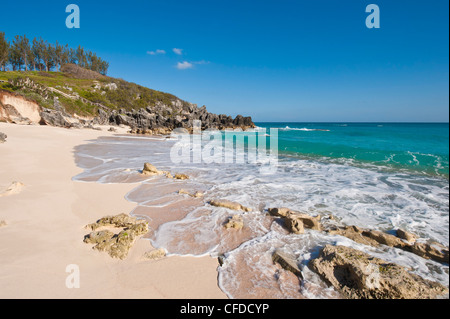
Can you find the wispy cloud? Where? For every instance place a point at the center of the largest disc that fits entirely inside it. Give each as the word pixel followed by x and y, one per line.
pixel 184 65
pixel 156 52
pixel 178 51
pixel 189 65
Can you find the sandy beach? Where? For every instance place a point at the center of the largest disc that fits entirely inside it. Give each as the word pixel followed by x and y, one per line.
pixel 45 221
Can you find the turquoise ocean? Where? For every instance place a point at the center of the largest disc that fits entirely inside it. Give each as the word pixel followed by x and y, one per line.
pixel 418 147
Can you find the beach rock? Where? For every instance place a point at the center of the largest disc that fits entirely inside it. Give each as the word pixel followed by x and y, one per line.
pixel 279 212
pixel 294 224
pixel 154 254
pixel 287 262
pixel 307 220
pixel 54 118
pixel 403 234
pixel 354 233
pixel 3 137
pixel 357 275
pixel 433 251
pixel 181 176
pixel 235 222
pixel 150 170
pixel 229 204
pixel 121 220
pixel 117 246
pixel 375 238
pixel 384 239
pixel 98 237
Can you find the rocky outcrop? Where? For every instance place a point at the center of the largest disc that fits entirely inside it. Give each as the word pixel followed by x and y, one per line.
pixel 409 237
pixel 3 137
pixel 234 222
pixel 287 262
pixel 229 204
pixel 17 109
pixel 294 224
pixel 357 275
pixel 292 219
pixel 434 251
pixel 375 238
pixel 116 245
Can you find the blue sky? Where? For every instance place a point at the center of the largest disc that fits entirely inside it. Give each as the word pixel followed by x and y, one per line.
pixel 279 60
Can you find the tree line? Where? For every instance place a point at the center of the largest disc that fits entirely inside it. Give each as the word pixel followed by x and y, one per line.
pixel 21 54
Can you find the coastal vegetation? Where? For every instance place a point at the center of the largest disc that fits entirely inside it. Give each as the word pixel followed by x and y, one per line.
pixel 40 55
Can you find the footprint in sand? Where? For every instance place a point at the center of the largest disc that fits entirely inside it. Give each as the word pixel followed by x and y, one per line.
pixel 13 189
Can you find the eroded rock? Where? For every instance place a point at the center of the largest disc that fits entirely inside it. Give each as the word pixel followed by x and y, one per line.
pixel 116 245
pixel 121 220
pixel 434 251
pixel 229 204
pixel 294 224
pixel 307 220
pixel 286 261
pixel 235 222
pixel 357 275
pixel 181 176
pixel 375 238
pixel 409 237
pixel 150 170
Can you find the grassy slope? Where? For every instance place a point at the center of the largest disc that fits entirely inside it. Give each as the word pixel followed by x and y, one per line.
pixel 128 96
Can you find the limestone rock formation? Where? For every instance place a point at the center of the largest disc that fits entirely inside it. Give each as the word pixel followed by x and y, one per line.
pixel 294 224
pixel 434 251
pixel 409 237
pixel 235 222
pixel 357 275
pixel 181 176
pixel 290 215
pixel 286 261
pixel 116 245
pixel 375 238
pixel 150 170
pixel 229 204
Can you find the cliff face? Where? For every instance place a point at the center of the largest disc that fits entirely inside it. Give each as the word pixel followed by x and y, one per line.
pixel 61 99
pixel 17 109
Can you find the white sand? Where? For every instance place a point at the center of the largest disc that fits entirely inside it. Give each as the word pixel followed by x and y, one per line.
pixel 45 222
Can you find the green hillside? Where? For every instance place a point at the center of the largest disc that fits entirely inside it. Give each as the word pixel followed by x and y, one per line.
pixel 83 91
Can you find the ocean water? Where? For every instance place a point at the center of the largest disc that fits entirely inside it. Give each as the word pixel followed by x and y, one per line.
pixel 379 176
